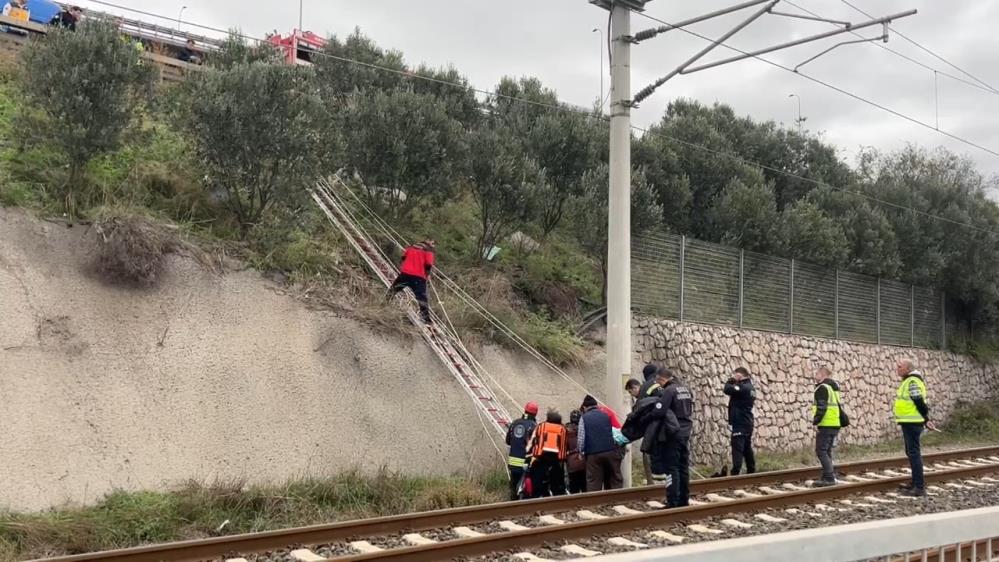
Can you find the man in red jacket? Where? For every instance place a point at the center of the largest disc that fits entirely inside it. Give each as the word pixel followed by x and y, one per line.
pixel 417 261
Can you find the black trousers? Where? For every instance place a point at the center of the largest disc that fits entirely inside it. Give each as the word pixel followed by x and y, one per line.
pixel 547 476
pixel 742 448
pixel 577 482
pixel 419 287
pixel 825 442
pixel 911 433
pixel 676 462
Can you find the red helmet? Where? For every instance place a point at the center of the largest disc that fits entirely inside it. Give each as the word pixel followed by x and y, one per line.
pixel 531 408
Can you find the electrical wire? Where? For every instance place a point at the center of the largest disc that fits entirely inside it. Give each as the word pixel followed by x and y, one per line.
pixel 833 87
pixel 986 88
pixel 931 53
pixel 566 108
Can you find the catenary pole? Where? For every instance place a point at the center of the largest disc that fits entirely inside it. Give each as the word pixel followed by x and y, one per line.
pixel 619 219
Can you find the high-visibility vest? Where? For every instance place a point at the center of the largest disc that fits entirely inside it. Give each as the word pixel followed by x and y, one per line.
pixel 549 438
pixel 831 417
pixel 905 405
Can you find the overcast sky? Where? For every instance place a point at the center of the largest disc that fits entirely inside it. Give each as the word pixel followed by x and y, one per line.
pixel 553 40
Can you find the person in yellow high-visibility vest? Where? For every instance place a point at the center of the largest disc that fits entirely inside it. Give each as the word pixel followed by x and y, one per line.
pixel 913 416
pixel 826 419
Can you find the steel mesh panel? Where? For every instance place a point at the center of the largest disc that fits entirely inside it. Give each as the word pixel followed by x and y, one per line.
pixel 655 275
pixel 896 313
pixel 766 292
pixel 711 283
pixel 858 315
pixel 814 300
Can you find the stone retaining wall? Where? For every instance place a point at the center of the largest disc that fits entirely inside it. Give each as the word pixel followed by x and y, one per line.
pixel 783 366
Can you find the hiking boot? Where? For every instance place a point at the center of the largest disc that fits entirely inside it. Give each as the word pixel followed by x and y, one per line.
pixel 823 483
pixel 914 492
pixel 906 486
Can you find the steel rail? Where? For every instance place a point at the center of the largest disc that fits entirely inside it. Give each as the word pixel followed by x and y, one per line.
pixel 202 549
pixel 499 542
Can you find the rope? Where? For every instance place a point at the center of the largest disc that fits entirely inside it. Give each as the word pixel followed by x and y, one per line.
pixel 398 240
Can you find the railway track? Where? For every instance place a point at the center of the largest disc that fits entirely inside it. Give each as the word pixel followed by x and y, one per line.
pixel 488 529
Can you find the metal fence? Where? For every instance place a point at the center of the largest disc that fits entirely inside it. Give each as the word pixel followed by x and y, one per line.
pixel 690 280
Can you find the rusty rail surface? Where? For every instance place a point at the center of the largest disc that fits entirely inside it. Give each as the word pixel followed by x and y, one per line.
pixel 331 532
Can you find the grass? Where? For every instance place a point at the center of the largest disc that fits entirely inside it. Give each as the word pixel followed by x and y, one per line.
pixel 198 510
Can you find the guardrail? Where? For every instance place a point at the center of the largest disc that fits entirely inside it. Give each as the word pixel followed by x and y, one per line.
pixel 11 44
pixel 960 535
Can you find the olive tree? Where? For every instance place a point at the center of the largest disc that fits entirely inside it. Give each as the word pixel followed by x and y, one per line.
pixel 83 90
pixel 256 131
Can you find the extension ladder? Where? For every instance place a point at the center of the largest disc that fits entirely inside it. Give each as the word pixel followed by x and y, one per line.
pixel 447 350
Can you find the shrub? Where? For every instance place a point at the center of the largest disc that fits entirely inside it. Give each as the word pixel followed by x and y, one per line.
pixel 131 250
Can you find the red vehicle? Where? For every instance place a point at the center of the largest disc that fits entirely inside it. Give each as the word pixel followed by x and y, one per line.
pixel 299 47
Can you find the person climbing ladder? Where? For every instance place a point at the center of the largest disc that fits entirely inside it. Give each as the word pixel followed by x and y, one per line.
pixel 417 261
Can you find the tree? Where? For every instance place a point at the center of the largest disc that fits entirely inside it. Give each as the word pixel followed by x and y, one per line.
pixel 873 243
pixel 505 185
pixel 339 77
pixel 255 129
pixel 405 147
pixel 234 50
pixel 459 100
pixel 808 234
pixel 745 215
pixel 83 90
pixel 589 213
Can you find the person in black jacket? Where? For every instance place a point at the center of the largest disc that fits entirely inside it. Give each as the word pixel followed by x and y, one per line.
pixel 675 410
pixel 517 435
pixel 650 387
pixel 67 18
pixel 741 397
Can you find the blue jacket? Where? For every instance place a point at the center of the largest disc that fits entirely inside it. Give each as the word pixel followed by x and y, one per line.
pixel 595 435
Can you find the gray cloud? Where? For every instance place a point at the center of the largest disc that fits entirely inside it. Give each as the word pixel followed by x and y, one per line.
pixel 552 39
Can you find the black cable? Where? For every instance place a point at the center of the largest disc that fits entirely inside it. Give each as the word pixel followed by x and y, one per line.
pixel 568 109
pixel 832 87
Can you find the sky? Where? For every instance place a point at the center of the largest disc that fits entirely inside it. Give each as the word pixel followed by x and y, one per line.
pixel 555 41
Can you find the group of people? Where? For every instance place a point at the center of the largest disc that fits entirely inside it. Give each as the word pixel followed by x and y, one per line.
pixel 549 458
pixel 19 10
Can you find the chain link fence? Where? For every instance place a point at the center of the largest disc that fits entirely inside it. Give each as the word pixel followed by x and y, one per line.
pixel 690 280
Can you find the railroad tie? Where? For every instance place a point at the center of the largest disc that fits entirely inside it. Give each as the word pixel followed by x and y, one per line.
pixel 989 479
pixel 957 486
pixel 577 550
pixel 625 510
pixel 795 487
pixel 898 496
pixel 894 474
pixel 718 498
pixel 696 502
pixel 736 523
pixel 855 478
pixel 550 520
pixel 994 459
pixel 364 547
pixel 770 518
pixel 416 539
pixel 467 532
pixel 876 499
pixel 771 491
pixel 663 535
pixel 655 504
pixel 511 526
pixel 876 476
pixel 746 494
pixel 978 484
pixel 852 503
pixel 528 557
pixel 306 555
pixel 824 507
pixel 795 511
pixel 621 541
pixel 587 515
pixel 236 560
pixel 704 530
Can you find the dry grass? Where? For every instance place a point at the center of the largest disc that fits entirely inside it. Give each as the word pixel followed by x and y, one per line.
pixel 132 249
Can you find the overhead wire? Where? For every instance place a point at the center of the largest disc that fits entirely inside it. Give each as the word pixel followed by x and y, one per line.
pixel 984 88
pixel 567 108
pixel 930 52
pixel 830 86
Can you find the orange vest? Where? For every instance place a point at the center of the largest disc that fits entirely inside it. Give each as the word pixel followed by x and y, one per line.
pixel 549 438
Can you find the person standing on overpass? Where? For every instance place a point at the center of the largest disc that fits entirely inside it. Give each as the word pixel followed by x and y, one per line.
pixel 913 416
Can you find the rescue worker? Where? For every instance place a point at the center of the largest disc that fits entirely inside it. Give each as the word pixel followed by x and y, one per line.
pixel 548 452
pixel 912 415
pixel 575 466
pixel 517 435
pixel 675 409
pixel 650 387
pixel 741 398
pixel 417 262
pixel 826 419
pixel 600 452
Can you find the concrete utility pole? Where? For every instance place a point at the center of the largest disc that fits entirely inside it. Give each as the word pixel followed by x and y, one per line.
pixel 619 346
